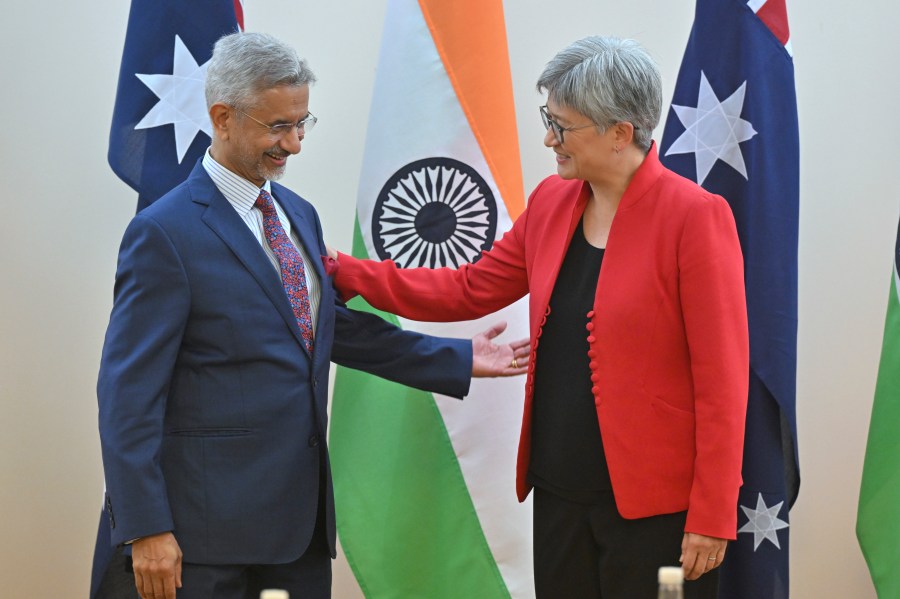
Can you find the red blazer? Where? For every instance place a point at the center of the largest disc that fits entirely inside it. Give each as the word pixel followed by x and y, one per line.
pixel 668 333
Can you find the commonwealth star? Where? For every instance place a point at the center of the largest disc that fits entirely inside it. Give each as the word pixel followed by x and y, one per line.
pixel 713 130
pixel 182 101
pixel 763 522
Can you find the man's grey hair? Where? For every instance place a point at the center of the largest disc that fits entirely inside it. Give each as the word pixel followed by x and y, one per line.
pixel 244 64
pixel 609 80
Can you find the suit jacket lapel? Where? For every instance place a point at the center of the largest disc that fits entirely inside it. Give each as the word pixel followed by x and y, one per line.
pixel 307 235
pixel 221 217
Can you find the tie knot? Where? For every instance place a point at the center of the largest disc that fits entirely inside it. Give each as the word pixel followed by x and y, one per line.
pixel 264 202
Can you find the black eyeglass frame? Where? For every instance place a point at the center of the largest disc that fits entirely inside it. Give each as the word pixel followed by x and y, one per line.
pixel 559 130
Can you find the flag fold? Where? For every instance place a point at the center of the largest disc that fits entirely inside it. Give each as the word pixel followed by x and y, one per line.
pixel 733 129
pixel 424 484
pixel 877 523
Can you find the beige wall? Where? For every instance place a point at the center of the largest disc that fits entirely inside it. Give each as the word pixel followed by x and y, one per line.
pixel 64 213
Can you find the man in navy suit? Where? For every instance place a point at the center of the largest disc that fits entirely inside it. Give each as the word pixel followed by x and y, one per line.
pixel 212 397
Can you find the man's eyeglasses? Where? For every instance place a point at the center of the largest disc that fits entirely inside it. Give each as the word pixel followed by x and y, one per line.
pixel 558 130
pixel 305 125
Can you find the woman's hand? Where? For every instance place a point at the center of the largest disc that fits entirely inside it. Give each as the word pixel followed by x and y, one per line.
pixel 700 554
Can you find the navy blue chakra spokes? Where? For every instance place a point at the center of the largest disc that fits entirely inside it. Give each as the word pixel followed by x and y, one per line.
pixel 434 212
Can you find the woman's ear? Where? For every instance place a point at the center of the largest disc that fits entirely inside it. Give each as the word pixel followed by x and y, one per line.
pixel 624 133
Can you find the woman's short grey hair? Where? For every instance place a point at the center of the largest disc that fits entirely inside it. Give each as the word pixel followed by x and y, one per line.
pixel 244 64
pixel 609 80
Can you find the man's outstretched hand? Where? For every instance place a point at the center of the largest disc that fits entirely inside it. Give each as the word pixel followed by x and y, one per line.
pixel 491 359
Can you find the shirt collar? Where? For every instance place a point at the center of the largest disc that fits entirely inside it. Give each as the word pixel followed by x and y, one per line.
pixel 239 192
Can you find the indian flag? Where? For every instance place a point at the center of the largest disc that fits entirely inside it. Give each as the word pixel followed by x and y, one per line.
pixel 425 484
pixel 878 522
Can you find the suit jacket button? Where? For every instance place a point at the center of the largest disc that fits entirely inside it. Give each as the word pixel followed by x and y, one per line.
pixel 109 512
pixel 313 441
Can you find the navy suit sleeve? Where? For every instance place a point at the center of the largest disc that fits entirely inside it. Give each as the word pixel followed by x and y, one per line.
pixel 369 343
pixel 150 309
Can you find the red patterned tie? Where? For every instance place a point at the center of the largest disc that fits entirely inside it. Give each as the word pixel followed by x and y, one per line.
pixel 293 274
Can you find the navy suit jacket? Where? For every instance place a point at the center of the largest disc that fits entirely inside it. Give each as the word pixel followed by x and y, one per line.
pixel 212 412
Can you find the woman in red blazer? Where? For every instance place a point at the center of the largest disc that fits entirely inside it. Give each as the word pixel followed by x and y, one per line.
pixel 637 382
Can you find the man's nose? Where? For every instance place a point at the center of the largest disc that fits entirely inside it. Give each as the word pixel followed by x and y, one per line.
pixel 291 141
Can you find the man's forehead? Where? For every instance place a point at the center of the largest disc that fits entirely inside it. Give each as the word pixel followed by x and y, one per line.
pixel 283 98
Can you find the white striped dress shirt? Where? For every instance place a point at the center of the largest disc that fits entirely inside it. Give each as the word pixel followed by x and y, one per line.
pixel 242 195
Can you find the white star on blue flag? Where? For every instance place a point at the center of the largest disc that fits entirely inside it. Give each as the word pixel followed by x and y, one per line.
pixel 713 130
pixel 763 522
pixel 181 99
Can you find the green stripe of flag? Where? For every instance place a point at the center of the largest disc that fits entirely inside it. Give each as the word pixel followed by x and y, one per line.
pixel 878 521
pixel 405 517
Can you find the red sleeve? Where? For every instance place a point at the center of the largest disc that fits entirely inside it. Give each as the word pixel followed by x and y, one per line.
pixel 711 286
pixel 444 294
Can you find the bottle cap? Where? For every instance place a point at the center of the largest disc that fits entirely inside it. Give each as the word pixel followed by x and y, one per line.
pixel 273 594
pixel 671 575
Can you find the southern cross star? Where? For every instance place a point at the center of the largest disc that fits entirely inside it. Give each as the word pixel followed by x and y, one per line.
pixel 763 522
pixel 713 130
pixel 181 99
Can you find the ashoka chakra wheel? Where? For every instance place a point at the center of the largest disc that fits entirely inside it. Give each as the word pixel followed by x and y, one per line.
pixel 434 212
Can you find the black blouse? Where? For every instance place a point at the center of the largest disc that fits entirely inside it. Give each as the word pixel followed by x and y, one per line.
pixel 567 455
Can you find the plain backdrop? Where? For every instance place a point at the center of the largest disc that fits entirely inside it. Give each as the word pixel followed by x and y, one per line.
pixel 64 213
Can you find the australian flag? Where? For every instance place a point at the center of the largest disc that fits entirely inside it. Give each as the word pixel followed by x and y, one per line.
pixel 160 123
pixel 160 128
pixel 733 129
